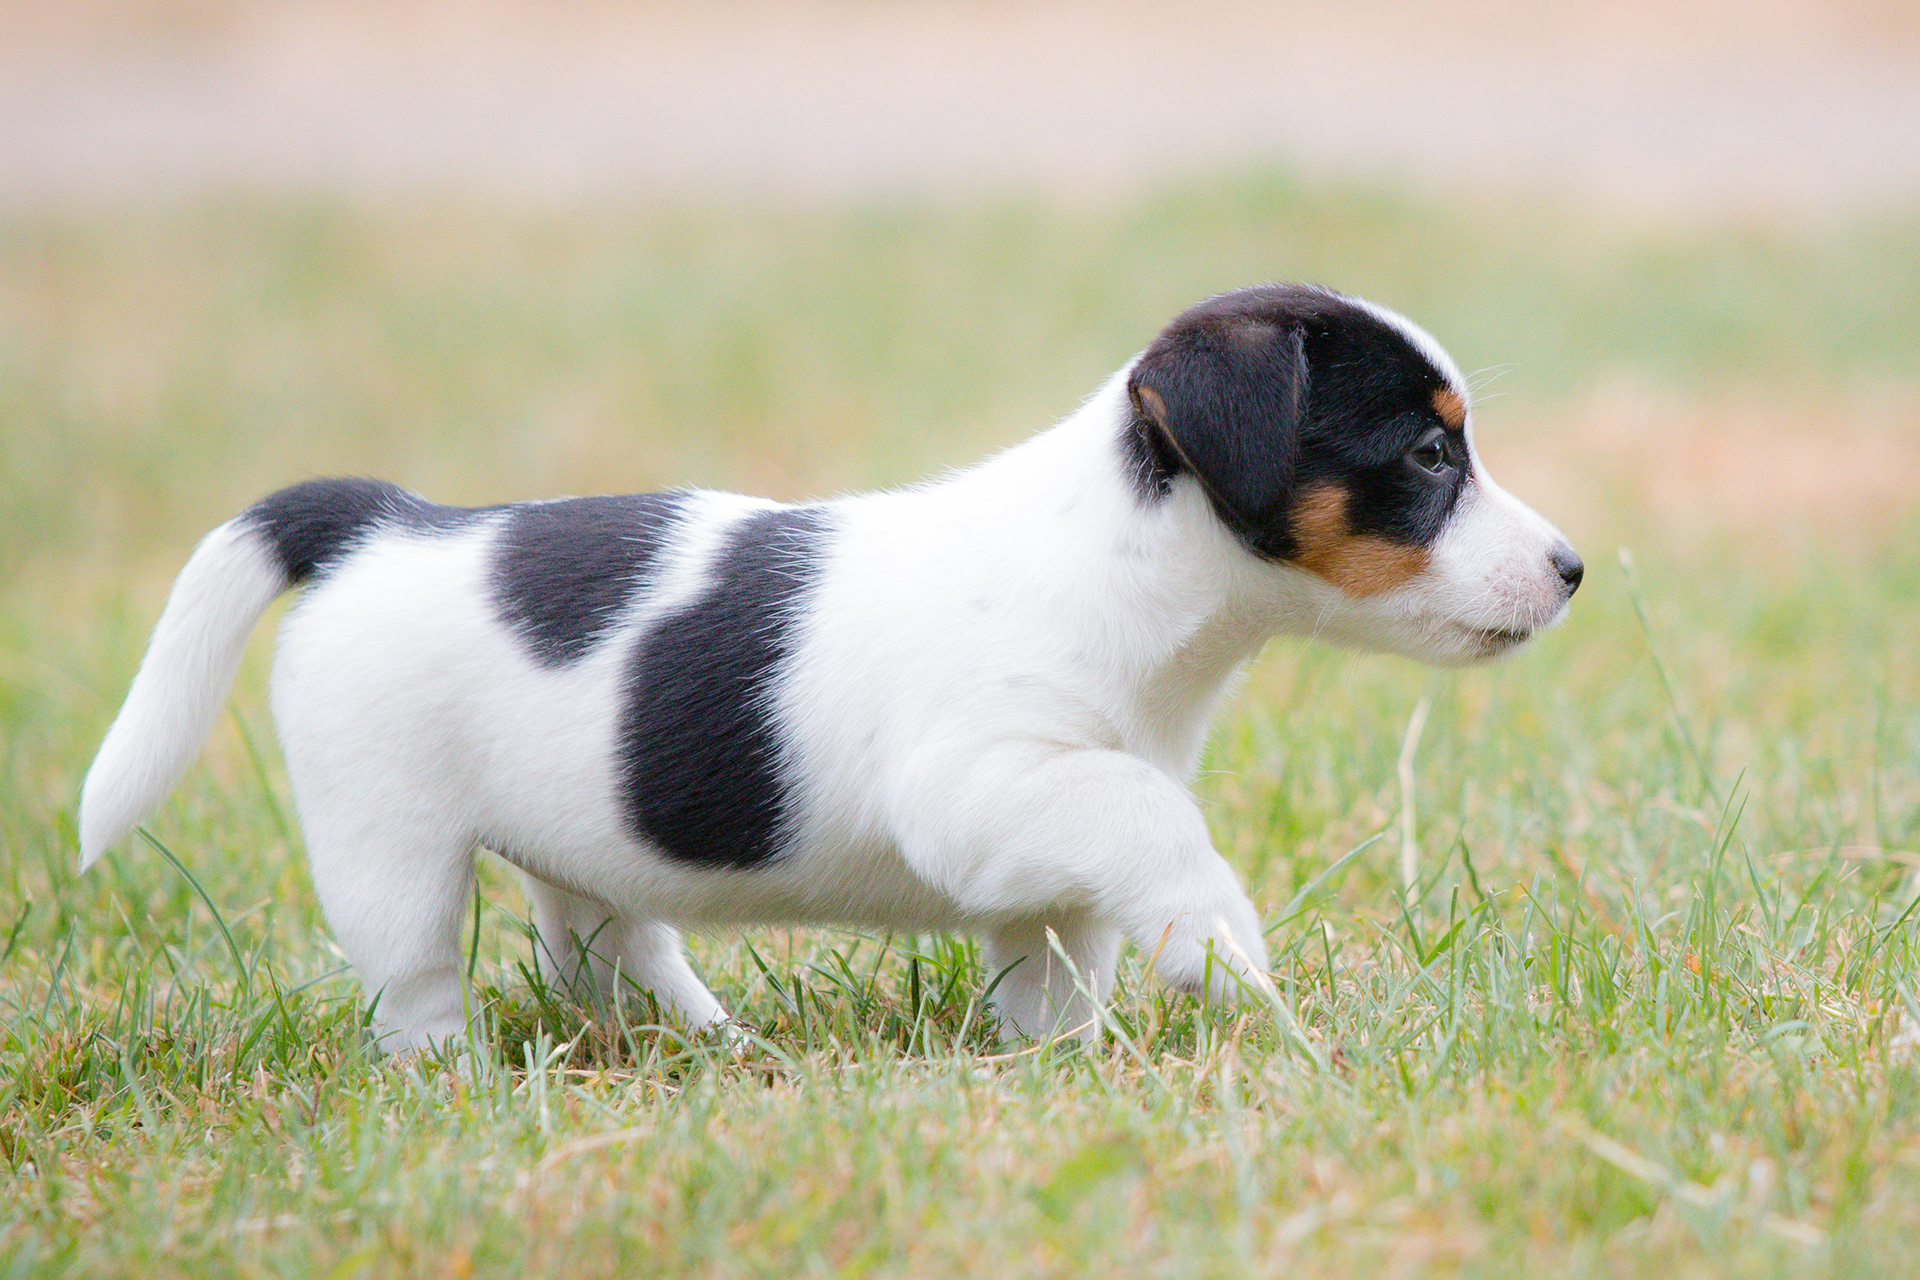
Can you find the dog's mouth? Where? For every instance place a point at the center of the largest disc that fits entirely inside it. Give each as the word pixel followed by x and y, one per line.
pixel 1490 641
pixel 1459 644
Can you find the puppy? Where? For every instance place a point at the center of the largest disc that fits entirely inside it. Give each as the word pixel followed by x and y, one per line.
pixel 974 704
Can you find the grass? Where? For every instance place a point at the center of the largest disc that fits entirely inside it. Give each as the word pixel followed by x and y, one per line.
pixel 1652 1005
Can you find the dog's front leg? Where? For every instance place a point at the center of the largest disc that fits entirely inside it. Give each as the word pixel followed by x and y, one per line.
pixel 1088 840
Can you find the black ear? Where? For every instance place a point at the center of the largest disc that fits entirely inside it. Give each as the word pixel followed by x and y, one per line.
pixel 1223 400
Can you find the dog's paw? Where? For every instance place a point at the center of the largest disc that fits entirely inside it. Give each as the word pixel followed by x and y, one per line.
pixel 1217 957
pixel 736 1038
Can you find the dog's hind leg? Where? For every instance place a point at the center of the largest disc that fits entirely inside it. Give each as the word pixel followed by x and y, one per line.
pixel 1037 993
pixel 396 894
pixel 595 953
pixel 575 939
pixel 651 951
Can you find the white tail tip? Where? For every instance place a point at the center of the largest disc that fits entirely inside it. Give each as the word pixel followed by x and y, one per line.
pixel 181 685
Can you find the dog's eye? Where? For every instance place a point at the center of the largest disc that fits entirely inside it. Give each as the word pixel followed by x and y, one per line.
pixel 1431 454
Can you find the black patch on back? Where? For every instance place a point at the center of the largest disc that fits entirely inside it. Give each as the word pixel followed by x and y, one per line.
pixel 1263 394
pixel 701 761
pixel 563 571
pixel 312 526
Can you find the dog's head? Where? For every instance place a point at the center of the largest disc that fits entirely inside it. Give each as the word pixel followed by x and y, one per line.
pixel 1334 437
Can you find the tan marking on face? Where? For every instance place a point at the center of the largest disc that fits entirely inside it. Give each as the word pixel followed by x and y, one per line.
pixel 1451 408
pixel 1358 564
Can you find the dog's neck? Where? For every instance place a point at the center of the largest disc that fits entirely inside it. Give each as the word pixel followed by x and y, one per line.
pixel 1155 585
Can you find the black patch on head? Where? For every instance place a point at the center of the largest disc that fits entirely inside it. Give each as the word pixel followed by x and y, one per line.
pixel 1264 393
pixel 563 571
pixel 312 526
pixel 701 760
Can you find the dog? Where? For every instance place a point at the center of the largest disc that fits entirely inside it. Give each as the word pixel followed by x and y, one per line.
pixel 974 704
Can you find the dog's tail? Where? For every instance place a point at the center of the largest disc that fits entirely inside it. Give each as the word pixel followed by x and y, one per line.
pixel 228 582
pixel 230 579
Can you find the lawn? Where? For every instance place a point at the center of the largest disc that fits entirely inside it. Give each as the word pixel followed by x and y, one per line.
pixel 1650 1006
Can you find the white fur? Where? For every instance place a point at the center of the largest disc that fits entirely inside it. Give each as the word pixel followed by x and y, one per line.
pixel 227 583
pixel 1000 689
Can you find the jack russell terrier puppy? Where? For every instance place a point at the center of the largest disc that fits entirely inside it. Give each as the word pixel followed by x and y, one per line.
pixel 974 704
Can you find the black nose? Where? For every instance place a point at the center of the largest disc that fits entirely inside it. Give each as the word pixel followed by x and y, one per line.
pixel 1571 570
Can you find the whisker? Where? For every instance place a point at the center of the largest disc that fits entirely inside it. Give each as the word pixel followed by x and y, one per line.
pixel 1489 374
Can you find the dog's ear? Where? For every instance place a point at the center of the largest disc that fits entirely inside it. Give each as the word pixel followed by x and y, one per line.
pixel 1223 402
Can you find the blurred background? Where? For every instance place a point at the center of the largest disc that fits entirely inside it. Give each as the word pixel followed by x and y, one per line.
pixel 494 250
pixel 796 246
pixel 1709 107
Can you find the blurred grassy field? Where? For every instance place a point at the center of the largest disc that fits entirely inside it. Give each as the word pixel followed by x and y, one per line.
pixel 1654 1006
